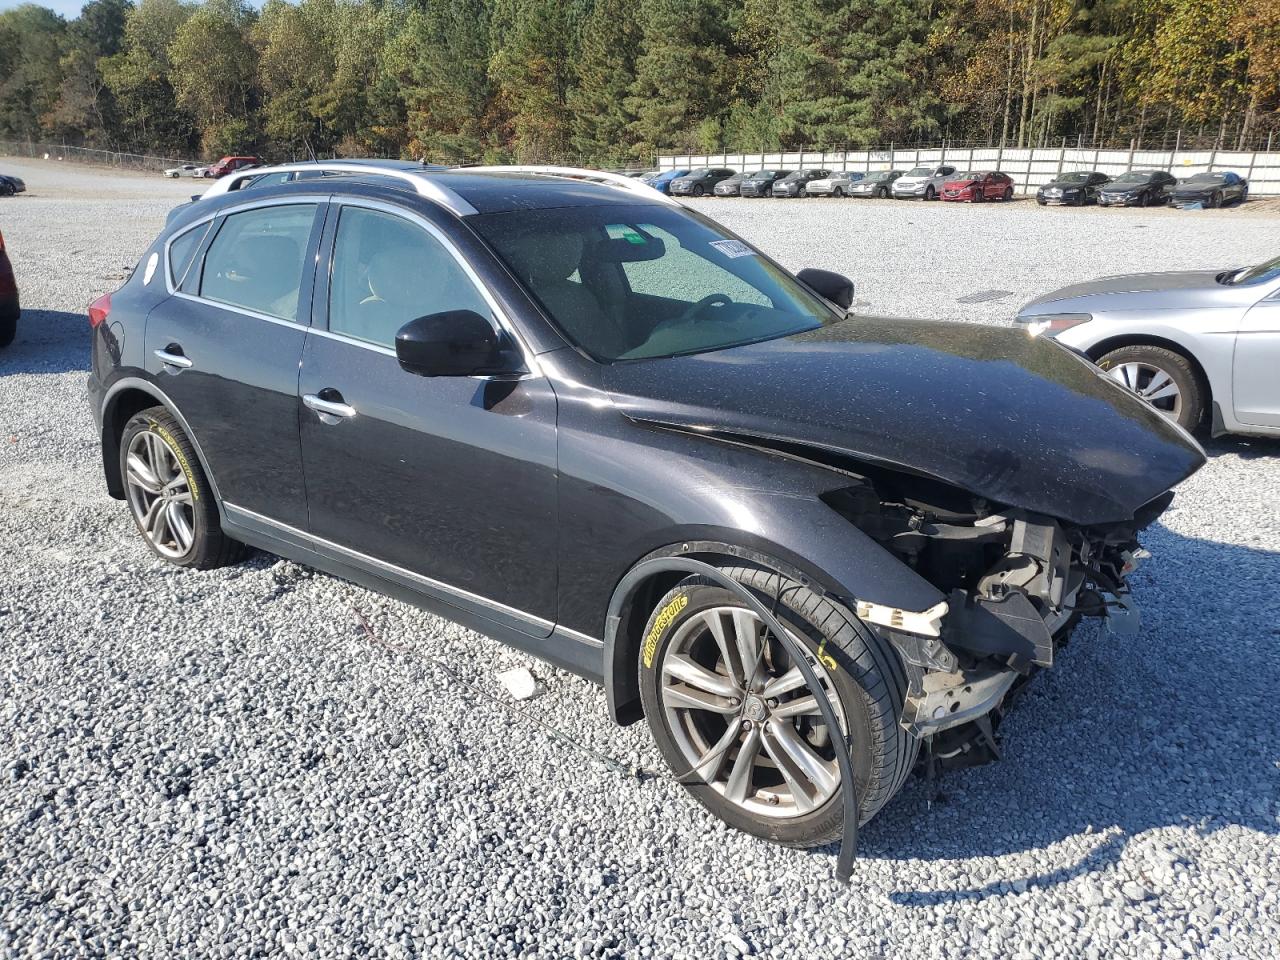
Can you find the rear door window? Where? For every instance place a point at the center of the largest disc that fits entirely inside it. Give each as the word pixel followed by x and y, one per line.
pixel 182 249
pixel 256 260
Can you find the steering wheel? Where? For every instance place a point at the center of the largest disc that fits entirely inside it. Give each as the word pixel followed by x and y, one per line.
pixel 710 300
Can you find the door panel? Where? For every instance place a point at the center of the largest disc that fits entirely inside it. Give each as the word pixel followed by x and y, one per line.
pixel 452 479
pixel 233 372
pixel 1256 389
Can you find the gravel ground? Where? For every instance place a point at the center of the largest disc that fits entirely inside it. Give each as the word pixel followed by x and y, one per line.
pixel 228 764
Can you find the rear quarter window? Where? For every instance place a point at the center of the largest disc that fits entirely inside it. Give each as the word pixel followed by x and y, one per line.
pixel 182 249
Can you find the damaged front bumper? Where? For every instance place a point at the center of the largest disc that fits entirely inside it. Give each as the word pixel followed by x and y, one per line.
pixel 970 655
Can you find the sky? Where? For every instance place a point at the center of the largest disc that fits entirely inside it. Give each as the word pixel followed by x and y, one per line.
pixel 68 8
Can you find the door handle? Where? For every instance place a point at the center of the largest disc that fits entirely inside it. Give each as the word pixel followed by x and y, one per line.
pixel 172 356
pixel 329 408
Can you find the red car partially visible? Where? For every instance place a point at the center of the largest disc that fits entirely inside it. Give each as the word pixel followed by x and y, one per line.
pixel 977 186
pixel 9 308
pixel 231 165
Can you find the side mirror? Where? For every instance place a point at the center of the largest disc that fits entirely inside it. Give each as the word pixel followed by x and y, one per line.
pixel 455 343
pixel 831 286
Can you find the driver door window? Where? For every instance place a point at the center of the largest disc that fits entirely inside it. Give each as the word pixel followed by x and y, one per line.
pixel 388 271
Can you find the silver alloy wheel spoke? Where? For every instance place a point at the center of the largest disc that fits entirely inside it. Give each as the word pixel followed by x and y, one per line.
pixel 793 679
pixel 681 668
pixel 140 474
pixel 816 770
pixel 178 526
pixel 728 651
pixel 806 706
pixel 738 785
pixel 693 699
pixel 761 745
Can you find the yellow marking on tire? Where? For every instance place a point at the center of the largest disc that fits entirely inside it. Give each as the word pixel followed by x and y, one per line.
pixel 177 455
pixel 665 616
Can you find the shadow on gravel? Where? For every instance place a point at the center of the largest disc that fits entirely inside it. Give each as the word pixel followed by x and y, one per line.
pixel 1173 727
pixel 48 341
pixel 1247 448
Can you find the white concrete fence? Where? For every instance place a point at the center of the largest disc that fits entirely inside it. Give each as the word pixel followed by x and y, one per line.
pixel 1029 167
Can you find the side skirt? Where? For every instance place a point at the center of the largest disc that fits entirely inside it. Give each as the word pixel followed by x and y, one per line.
pixel 562 647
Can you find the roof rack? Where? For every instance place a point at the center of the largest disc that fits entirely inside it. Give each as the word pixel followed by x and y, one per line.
pixel 582 173
pixel 424 186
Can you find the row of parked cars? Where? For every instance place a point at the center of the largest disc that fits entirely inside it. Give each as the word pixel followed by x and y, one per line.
pixel 213 171
pixel 1141 188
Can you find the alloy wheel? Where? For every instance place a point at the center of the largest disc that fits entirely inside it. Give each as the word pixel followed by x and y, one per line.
pixel 743 717
pixel 160 494
pixel 1152 384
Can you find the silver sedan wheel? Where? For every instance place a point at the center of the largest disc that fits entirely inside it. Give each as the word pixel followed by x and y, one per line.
pixel 159 494
pixel 1152 384
pixel 743 717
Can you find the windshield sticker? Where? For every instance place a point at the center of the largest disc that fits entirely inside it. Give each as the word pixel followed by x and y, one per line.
pixel 733 248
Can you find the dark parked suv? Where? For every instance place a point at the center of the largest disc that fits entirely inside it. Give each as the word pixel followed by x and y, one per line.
pixel 598 426
pixel 697 183
pixel 793 184
pixel 760 183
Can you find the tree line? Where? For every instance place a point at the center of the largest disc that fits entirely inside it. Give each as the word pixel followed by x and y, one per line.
pixel 614 81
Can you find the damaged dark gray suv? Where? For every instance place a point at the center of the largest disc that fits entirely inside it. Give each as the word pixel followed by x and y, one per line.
pixel 568 412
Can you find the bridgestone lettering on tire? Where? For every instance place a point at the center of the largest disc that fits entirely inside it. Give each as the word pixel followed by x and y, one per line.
pixel 710 714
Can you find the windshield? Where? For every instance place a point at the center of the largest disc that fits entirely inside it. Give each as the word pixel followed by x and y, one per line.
pixel 764 174
pixel 1073 178
pixel 920 172
pixel 700 172
pixel 876 177
pixel 1261 273
pixel 1206 178
pixel 1132 178
pixel 638 281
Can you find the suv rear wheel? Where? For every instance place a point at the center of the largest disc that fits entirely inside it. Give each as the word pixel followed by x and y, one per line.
pixel 1164 379
pixel 169 495
pixel 737 724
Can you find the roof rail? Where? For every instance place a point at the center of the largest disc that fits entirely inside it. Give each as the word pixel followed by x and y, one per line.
pixel 424 186
pixel 582 173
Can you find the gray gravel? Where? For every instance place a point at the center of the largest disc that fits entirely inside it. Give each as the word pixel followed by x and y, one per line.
pixel 226 764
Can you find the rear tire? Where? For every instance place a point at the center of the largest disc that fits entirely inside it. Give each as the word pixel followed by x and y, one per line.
pixel 864 677
pixel 7 190
pixel 169 496
pixel 1132 367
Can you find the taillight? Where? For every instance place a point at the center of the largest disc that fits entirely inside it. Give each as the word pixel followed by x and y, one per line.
pixel 99 310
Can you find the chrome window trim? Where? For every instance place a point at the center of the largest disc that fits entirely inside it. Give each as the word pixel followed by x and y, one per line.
pixel 500 316
pixel 208 218
pixel 244 311
pixel 430 583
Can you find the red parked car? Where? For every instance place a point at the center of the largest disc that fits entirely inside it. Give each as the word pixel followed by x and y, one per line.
pixel 978 185
pixel 9 308
pixel 231 165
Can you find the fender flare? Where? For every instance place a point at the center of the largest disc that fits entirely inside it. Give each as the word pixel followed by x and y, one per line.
pixel 690 564
pixel 149 388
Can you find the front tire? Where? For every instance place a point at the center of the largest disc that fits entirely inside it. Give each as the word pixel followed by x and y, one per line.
pixel 698 191
pixel 169 495
pixel 838 192
pixel 1008 194
pixel 1165 379
pixel 930 193
pixel 751 747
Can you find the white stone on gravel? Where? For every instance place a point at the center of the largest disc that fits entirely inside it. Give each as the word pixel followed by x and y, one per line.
pixel 223 764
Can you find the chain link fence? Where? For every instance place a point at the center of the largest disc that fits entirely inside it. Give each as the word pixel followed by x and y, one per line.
pixel 103 158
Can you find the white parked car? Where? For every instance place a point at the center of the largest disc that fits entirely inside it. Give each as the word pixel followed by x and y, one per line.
pixel 836 185
pixel 922 182
pixel 186 170
pixel 1198 345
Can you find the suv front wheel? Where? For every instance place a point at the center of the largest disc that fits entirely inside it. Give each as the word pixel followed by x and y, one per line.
pixel 739 727
pixel 169 496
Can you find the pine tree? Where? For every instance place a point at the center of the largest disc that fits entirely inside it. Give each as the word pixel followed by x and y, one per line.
pixel 598 106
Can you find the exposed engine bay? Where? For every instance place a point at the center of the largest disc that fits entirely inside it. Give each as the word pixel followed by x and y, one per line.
pixel 1016 584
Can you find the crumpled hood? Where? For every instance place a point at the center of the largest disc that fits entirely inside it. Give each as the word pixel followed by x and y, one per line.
pixel 1016 419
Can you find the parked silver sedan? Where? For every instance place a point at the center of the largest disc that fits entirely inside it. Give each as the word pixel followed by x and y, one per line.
pixel 1194 343
pixel 836 185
